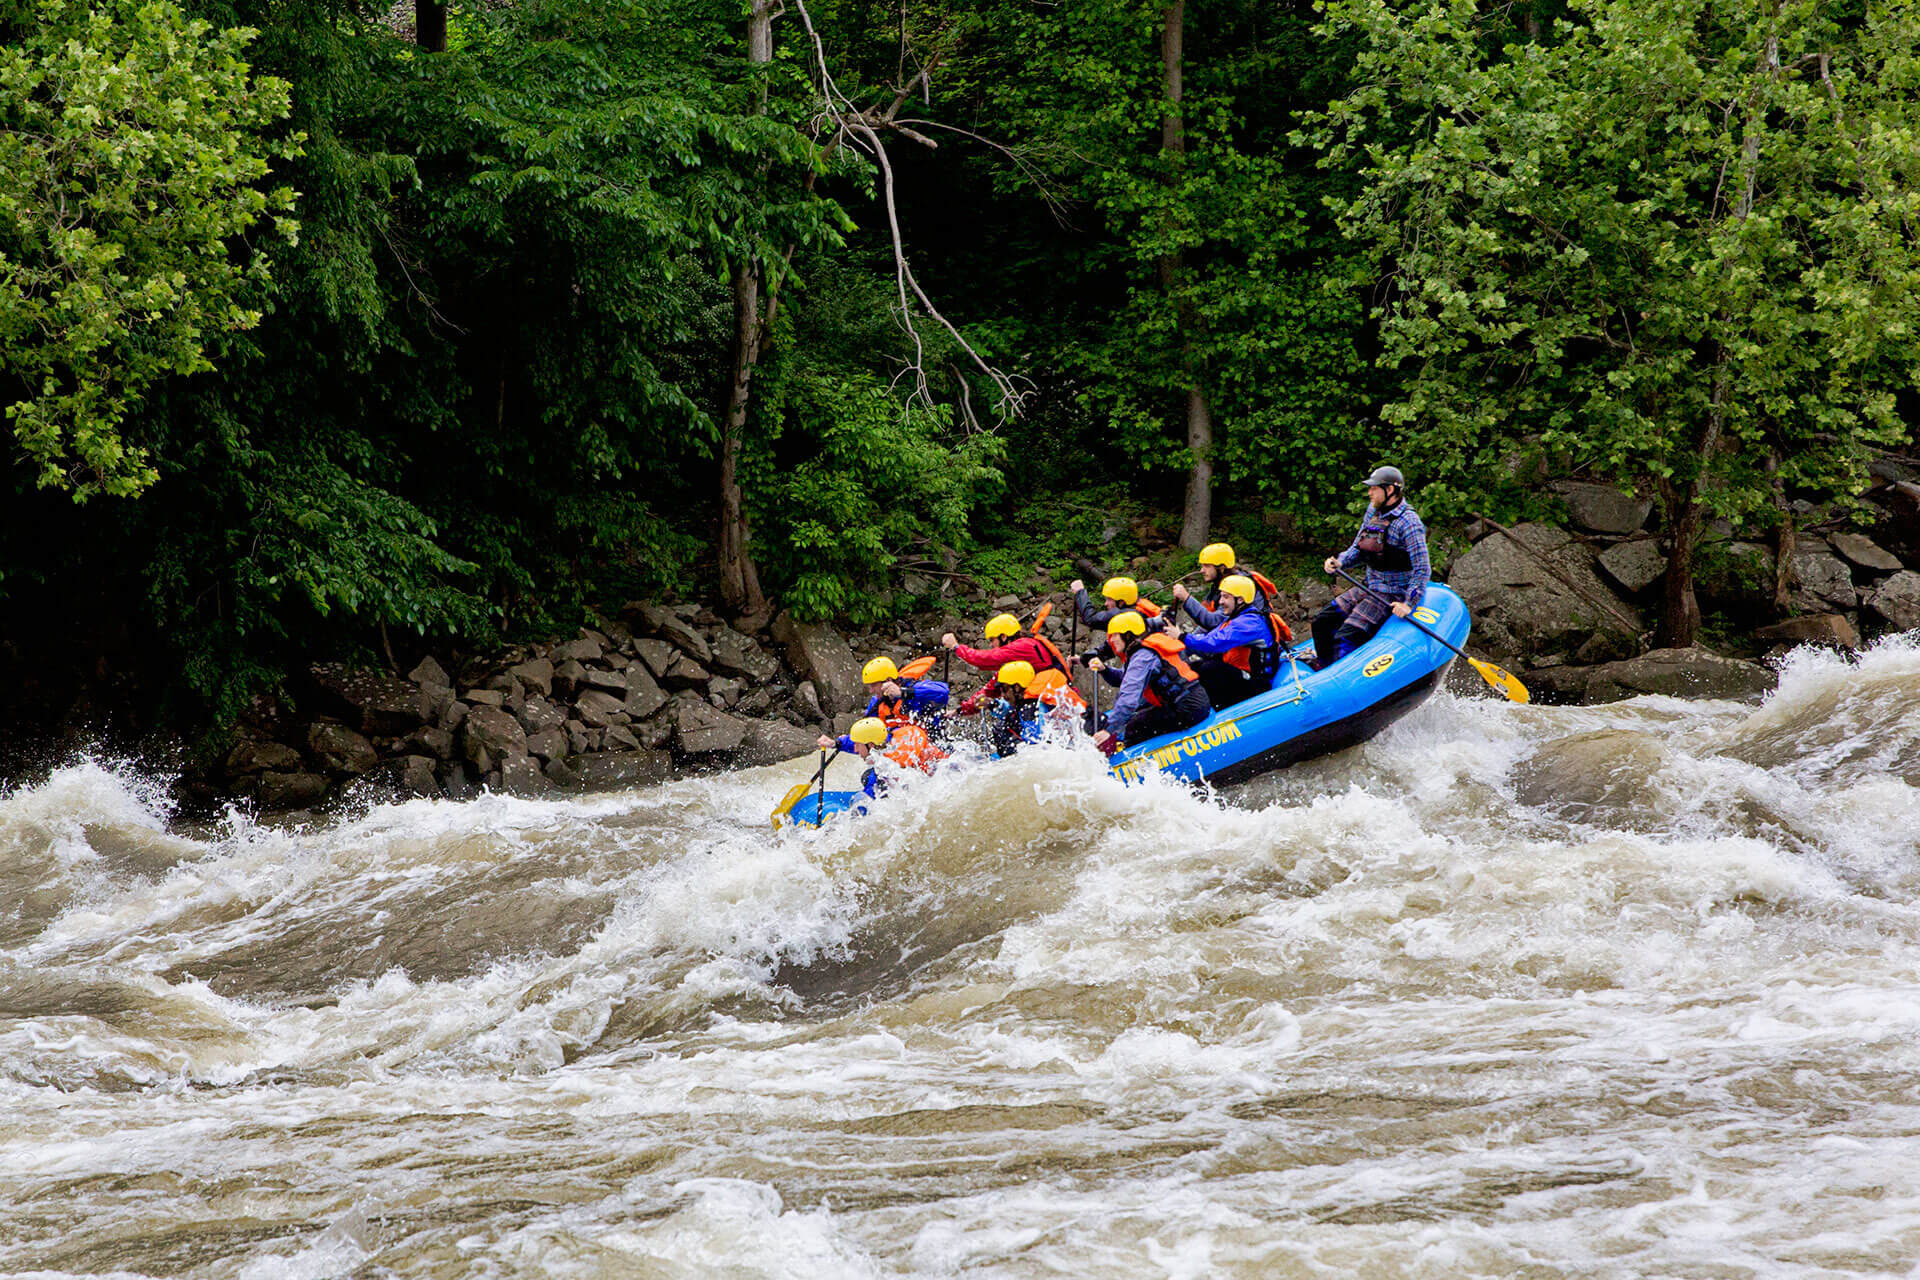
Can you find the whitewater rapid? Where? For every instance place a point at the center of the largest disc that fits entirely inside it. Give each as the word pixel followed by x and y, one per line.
pixel 1510 991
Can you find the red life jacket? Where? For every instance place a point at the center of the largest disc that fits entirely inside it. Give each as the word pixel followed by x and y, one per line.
pixel 1167 648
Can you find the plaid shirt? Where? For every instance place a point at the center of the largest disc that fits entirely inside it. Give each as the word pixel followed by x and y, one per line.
pixel 1402 529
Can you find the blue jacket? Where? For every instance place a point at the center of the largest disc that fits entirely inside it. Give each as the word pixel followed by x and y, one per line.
pixel 924 699
pixel 1135 676
pixel 1248 628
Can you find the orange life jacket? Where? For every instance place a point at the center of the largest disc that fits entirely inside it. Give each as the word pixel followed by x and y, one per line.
pixel 1053 651
pixel 1242 657
pixel 909 747
pixel 1051 689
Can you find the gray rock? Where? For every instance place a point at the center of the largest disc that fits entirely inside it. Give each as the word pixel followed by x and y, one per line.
pixel 484 697
pixel 1822 582
pixel 774 741
pixel 685 673
pixel 644 697
pixel 597 708
pixel 537 714
pixel 249 757
pixel 1896 601
pixel 568 677
pixel 576 737
pixel 430 674
pixel 1633 566
pixel 737 655
pixel 1520 608
pixel 674 626
pixel 453 717
pixel 1314 596
pixel 654 734
pixel 431 741
pixel 817 652
pixel 379 704
pixel 578 651
pixel 522 776
pixel 620 738
pixel 807 700
pixel 1006 602
pixel 699 728
pixel 1864 553
pixel 657 654
pixel 1602 508
pixel 615 770
pixel 726 690
pixel 548 744
pixel 1831 630
pixel 289 790
pixel 1680 673
pixel 489 736
pixel 535 676
pixel 417 776
pixel 614 682
pixel 340 749
pixel 561 773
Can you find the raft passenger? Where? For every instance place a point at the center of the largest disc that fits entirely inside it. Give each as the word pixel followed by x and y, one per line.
pixel 899 701
pixel 905 744
pixel 1119 595
pixel 1036 650
pixel 1392 543
pixel 1242 646
pixel 1217 563
pixel 1159 692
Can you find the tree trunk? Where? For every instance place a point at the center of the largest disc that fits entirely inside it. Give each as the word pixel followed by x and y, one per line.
pixel 430 25
pixel 1680 610
pixel 1785 538
pixel 1197 517
pixel 739 579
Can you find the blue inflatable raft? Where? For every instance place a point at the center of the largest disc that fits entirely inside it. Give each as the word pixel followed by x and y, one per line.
pixel 1311 713
pixel 1306 714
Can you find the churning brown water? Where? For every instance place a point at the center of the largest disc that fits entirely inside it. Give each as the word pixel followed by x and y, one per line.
pixel 1611 992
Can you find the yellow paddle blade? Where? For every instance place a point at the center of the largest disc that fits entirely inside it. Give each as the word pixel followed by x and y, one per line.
pixel 789 800
pixel 1501 680
pixel 917 668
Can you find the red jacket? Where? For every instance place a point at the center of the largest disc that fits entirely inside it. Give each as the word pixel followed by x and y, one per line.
pixel 1019 649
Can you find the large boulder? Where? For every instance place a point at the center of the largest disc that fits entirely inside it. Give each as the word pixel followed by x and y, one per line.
pixel 774 741
pixel 1681 673
pixel 289 790
pixel 1602 508
pixel 737 655
pixel 340 749
pixel 644 697
pixel 685 673
pixel 537 714
pixel 1896 601
pixel 522 776
pixel 613 770
pixel 1633 566
pixel 429 674
pixel 657 654
pixel 597 708
pixel 671 627
pixel 383 705
pixel 1822 582
pixel 535 676
pixel 1863 552
pixel 1521 608
pixel 817 652
pixel 249 756
pixel 1829 629
pixel 700 728
pixel 489 736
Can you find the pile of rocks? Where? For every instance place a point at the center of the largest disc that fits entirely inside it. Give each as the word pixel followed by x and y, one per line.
pixel 624 702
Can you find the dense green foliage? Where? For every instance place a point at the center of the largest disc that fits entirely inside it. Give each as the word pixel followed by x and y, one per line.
pixel 354 348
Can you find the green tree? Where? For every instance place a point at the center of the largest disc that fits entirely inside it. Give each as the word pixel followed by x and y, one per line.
pixel 133 145
pixel 1673 240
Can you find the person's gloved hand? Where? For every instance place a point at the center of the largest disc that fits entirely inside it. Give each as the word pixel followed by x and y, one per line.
pixel 970 706
pixel 1107 743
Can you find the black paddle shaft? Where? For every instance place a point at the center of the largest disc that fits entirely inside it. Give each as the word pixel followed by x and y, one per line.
pixel 1410 618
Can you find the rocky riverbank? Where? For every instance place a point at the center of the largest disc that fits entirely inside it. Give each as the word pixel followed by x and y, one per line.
pixel 667 688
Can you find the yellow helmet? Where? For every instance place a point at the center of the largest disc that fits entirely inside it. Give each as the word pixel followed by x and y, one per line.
pixel 871 731
pixel 1017 674
pixel 1003 624
pixel 1125 590
pixel 1238 587
pixel 1217 553
pixel 1126 624
pixel 878 670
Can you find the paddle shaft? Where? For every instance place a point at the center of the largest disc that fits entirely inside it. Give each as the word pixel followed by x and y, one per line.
pixel 826 758
pixel 1410 618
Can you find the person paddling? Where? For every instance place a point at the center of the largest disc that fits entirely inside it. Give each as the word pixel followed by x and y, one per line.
pixel 1119 595
pixel 1010 717
pixel 896 700
pixel 1241 647
pixel 1035 650
pixel 1159 692
pixel 1217 563
pixel 905 744
pixel 1392 543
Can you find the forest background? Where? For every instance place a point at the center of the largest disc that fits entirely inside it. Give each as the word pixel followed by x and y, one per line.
pixel 330 331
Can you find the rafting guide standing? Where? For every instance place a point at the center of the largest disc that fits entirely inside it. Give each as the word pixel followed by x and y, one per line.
pixel 1392 543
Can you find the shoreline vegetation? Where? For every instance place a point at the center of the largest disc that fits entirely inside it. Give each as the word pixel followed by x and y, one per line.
pixel 434 397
